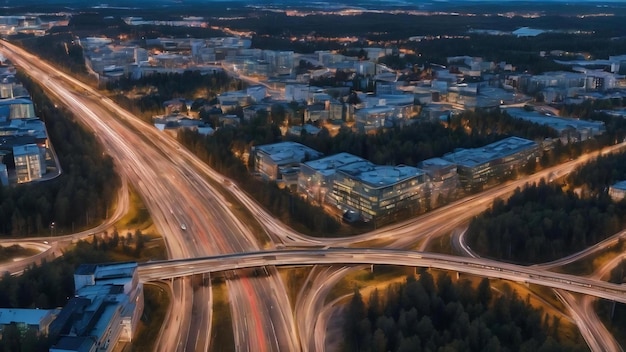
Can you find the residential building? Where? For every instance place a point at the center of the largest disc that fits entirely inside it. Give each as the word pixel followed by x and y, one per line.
pixel 373 192
pixel 281 161
pixel 29 162
pixel 618 191
pixel 478 166
pixel 315 179
pixel 106 309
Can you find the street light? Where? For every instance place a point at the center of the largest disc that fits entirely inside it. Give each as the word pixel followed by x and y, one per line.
pixel 51 228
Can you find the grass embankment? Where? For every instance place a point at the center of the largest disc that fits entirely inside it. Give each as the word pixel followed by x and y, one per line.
pixel 222 338
pixel 15 251
pixel 156 300
pixel 294 278
pixel 380 276
pixel 591 263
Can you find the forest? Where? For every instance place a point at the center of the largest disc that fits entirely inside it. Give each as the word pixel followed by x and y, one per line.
pixel 79 197
pixel 428 314
pixel 166 86
pixel 595 177
pixel 50 284
pixel 542 223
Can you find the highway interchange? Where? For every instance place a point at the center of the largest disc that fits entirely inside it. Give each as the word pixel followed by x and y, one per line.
pixel 174 186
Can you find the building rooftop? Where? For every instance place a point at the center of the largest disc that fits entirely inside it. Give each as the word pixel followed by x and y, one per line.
pixel 435 163
pixel 74 343
pixel 18 315
pixel 490 152
pixel 621 185
pixel 288 152
pixel 329 165
pixel 107 271
pixel 27 149
pixel 557 123
pixel 378 176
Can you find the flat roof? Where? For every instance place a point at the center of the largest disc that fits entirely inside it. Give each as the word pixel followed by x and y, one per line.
pixel 74 343
pixel 477 156
pixel 26 149
pixel 329 165
pixel 287 152
pixel 621 185
pixel 555 122
pixel 379 176
pixel 435 162
pixel 19 315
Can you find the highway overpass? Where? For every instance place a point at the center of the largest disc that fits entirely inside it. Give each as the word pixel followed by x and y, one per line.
pixel 167 269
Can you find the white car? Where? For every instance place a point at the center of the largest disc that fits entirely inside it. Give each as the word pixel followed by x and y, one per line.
pixel 183 226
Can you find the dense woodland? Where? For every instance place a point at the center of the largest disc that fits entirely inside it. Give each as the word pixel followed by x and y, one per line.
pixel 79 197
pixel 51 284
pixel 167 86
pixel 595 177
pixel 543 223
pixel 425 314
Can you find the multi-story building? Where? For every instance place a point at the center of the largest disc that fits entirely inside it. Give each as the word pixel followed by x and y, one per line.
pixel 569 129
pixel 443 177
pixel 369 119
pixel 26 319
pixel 281 161
pixel 618 191
pixel 315 180
pixel 373 191
pixel 478 166
pixel 29 162
pixel 106 309
pixel 17 108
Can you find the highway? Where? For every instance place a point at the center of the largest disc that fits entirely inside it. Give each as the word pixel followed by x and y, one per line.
pixel 160 270
pixel 176 193
pixel 170 180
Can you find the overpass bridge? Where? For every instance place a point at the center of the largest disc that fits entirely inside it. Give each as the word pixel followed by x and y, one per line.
pixel 168 269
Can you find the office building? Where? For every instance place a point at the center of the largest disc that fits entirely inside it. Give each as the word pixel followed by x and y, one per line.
pixel 316 177
pixel 618 191
pixel 478 166
pixel 281 161
pixel 106 309
pixel 569 129
pixel 29 162
pixel 372 191
pixel 27 319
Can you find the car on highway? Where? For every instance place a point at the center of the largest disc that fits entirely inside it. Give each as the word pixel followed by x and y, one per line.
pixel 183 227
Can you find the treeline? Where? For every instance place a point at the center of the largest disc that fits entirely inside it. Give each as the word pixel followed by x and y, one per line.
pixel 595 177
pixel 51 284
pixel 79 197
pixel 58 48
pixel 416 142
pixel 168 86
pixel 442 315
pixel 543 223
pixel 217 151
